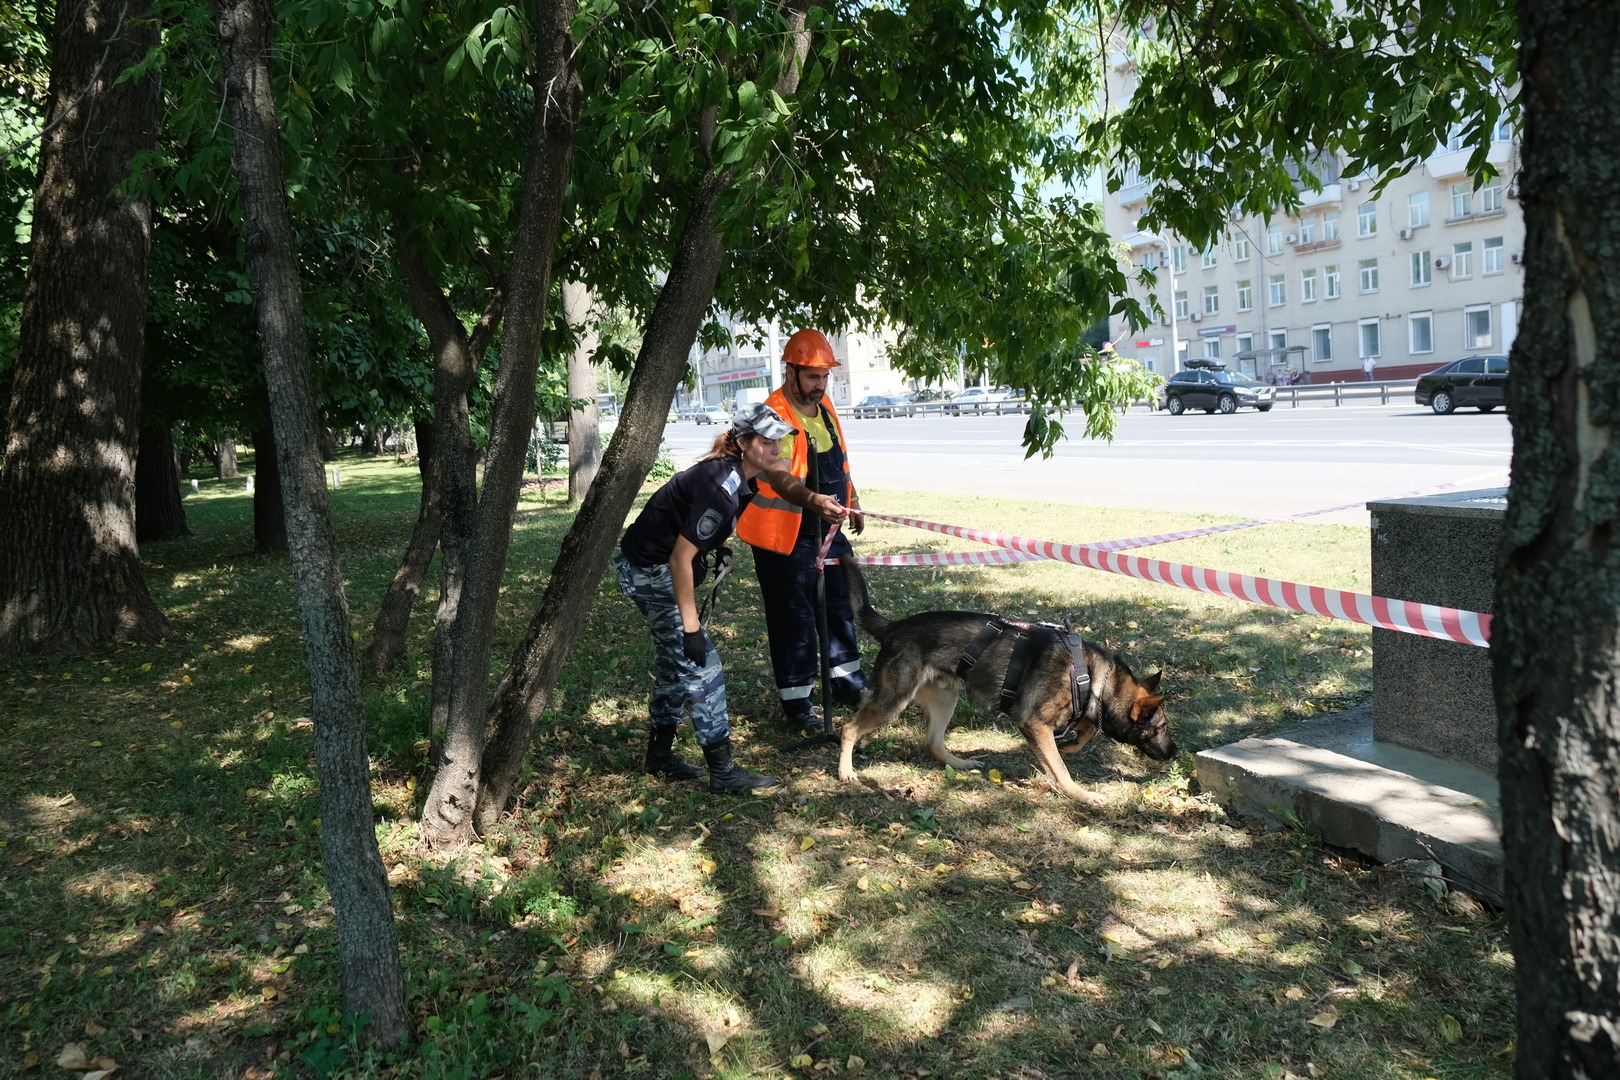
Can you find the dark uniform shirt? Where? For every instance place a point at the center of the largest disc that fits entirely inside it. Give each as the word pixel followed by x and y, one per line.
pixel 700 503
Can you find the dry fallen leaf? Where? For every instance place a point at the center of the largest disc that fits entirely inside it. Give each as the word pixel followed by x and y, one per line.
pixel 1325 1019
pixel 807 843
pixel 72 1057
pixel 717 1041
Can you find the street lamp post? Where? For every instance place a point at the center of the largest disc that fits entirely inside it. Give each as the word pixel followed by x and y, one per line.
pixel 1170 308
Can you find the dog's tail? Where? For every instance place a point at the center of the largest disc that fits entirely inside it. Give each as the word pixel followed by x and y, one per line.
pixel 870 620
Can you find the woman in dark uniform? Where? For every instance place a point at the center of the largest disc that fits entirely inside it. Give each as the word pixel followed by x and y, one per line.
pixel 660 565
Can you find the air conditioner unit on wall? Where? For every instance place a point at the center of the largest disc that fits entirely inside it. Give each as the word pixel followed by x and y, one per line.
pixel 1290 238
pixel 1197 316
pixel 1518 257
pixel 1353 185
pixel 1442 261
pixel 1406 234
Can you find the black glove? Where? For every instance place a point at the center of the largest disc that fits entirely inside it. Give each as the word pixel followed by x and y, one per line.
pixel 696 647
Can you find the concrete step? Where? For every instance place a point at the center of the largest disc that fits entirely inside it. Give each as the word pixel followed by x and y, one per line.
pixel 1386 801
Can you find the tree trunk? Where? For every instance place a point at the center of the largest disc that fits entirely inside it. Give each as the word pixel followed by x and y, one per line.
pixel 585 425
pixel 269 513
pixel 1555 641
pixel 159 513
pixel 447 816
pixel 526 688
pixel 368 951
pixel 70 572
pixel 387 646
pixel 225 457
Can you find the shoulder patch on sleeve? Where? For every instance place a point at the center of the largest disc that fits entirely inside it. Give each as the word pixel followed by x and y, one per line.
pixel 708 524
pixel 732 482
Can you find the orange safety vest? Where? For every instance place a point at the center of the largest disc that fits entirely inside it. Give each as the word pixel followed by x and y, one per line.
pixel 771 522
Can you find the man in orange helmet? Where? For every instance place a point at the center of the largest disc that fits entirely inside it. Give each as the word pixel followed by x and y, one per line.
pixel 786 541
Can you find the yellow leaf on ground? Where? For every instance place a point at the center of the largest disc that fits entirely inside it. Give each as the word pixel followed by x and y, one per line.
pixel 72 1057
pixel 1325 1019
pixel 995 776
pixel 1450 1029
pixel 717 1041
pixel 863 883
pixel 801 1061
pixel 807 843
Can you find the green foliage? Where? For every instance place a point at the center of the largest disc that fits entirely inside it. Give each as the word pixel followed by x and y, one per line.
pixel 1236 102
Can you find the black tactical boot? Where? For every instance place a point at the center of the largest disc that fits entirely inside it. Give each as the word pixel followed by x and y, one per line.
pixel 661 759
pixel 726 776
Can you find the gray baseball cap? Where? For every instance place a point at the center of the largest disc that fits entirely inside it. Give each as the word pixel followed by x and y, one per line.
pixel 760 419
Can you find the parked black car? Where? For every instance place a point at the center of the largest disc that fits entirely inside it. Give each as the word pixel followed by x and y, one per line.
pixel 1214 389
pixel 1477 381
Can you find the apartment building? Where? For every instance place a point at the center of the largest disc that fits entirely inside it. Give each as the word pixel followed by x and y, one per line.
pixel 1427 271
pixel 754 359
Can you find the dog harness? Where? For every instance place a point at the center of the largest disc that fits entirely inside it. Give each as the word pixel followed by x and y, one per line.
pixel 1030 639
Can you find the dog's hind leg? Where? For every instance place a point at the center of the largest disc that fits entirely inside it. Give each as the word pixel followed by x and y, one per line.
pixel 1040 740
pixel 938 700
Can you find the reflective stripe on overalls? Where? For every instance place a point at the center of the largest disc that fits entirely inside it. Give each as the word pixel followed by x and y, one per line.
pixel 677 682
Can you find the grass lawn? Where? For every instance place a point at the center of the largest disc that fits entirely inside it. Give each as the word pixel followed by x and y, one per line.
pixel 165 908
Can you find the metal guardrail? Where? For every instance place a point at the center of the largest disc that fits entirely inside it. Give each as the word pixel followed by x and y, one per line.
pixel 1339 393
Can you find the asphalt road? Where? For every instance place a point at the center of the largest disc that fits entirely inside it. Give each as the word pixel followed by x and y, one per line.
pixel 1249 464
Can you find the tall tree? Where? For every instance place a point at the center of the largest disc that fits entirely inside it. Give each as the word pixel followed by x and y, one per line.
pixel 1231 110
pixel 1556 639
pixel 372 979
pixel 70 574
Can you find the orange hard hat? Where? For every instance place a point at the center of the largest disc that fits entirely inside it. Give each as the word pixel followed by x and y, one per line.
pixel 809 349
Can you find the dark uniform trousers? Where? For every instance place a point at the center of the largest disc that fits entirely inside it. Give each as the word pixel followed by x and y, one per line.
pixel 787 584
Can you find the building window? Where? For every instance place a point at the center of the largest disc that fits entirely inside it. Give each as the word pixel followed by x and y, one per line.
pixel 1212 300
pixel 1274 239
pixel 1241 249
pixel 1504 131
pixel 1279 340
pixel 1462 261
pixel 1322 343
pixel 1367 219
pixel 1330 225
pixel 1477 327
pixel 1367 275
pixel 1245 343
pixel 1420 331
pixel 1278 290
pixel 1454 139
pixel 1422 273
pixel 1371 340
pixel 1182 309
pixel 1462 200
pixel 1245 297
pixel 1212 348
pixel 1417 210
pixel 1491 256
pixel 1307 230
pixel 1490 196
pixel 1330 282
pixel 1209 257
pixel 1178 259
pixel 1307 285
pixel 1150 261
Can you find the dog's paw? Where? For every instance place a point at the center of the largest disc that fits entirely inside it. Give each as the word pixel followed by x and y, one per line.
pixel 848 776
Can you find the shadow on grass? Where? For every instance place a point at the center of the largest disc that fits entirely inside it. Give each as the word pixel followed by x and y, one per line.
pixel 168 910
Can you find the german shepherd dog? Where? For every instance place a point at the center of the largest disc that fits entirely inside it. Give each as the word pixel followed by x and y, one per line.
pixel 919 661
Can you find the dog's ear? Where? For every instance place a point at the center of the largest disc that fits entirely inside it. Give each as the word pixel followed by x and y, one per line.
pixel 1151 683
pixel 1145 704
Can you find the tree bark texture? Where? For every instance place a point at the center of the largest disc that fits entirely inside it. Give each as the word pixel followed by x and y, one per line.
pixel 447 816
pixel 585 425
pixel 225 458
pixel 371 977
pixel 269 513
pixel 387 646
pixel 159 512
pixel 70 572
pixel 456 358
pixel 526 688
pixel 1555 641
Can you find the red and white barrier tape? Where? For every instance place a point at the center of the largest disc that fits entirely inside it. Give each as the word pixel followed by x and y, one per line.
pixel 1405 616
pixel 947 558
pixel 826 546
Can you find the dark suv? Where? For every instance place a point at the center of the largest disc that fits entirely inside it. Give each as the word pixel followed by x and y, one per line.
pixel 1479 381
pixel 1214 389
